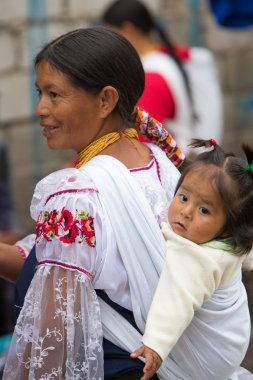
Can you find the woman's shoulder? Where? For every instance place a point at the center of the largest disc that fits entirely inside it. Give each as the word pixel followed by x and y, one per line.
pixel 65 181
pixel 62 180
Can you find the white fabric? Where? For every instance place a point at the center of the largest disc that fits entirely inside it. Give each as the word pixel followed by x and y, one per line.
pixel 206 281
pixel 202 352
pixel 116 187
pixel 207 94
pixel 61 312
pixel 190 276
pixel 206 91
pixel 57 336
pixel 54 193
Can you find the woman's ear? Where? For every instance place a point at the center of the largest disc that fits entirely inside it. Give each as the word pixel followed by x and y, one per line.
pixel 109 97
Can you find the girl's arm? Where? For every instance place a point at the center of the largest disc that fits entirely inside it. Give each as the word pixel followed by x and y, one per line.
pixel 11 262
pixel 12 257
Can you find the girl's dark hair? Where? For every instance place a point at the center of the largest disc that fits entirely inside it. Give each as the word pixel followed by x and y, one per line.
pixel 232 178
pixel 93 58
pixel 135 12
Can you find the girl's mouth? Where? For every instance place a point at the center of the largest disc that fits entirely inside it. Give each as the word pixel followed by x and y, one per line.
pixel 179 226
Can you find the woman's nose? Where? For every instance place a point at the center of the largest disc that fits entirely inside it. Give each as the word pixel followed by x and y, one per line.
pixel 42 108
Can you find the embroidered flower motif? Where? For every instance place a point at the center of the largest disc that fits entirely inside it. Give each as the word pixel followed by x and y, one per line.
pixel 37 362
pixel 66 226
pixel 69 225
pixel 87 226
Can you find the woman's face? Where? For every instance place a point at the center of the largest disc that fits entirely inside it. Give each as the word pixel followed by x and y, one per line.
pixel 68 115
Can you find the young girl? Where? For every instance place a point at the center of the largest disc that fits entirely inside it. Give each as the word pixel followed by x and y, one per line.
pixel 200 306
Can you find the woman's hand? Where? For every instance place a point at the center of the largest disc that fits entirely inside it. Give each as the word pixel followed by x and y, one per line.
pixel 153 361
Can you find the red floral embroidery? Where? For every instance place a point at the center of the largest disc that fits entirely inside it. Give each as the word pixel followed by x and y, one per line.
pixel 87 225
pixel 66 226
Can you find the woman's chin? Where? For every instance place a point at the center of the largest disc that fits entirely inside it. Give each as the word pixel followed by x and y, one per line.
pixel 54 145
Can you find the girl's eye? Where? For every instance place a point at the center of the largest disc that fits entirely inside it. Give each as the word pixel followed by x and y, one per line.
pixel 183 197
pixel 204 210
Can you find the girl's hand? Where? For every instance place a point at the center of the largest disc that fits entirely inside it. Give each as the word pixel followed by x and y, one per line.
pixel 153 361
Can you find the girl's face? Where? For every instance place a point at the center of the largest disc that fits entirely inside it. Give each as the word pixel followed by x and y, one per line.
pixel 67 114
pixel 196 212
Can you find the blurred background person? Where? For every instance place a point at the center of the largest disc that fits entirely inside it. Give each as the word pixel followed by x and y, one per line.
pixel 8 224
pixel 182 87
pixel 8 234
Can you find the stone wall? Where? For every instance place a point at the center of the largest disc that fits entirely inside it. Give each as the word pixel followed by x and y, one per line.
pixel 25 25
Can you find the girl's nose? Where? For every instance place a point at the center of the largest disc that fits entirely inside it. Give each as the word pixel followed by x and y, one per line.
pixel 187 212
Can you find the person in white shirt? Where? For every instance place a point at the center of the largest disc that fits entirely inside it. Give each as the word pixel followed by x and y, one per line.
pixel 200 311
pixel 88 82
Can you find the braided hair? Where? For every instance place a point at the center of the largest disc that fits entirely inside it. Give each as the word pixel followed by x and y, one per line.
pixel 232 177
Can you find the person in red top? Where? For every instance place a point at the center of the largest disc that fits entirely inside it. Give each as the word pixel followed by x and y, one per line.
pixel 164 106
pixel 160 99
pixel 133 20
pixel 181 83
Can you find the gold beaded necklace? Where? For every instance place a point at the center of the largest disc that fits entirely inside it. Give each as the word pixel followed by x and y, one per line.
pixel 103 142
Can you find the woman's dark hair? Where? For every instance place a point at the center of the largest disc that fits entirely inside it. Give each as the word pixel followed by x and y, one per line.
pixel 138 14
pixel 232 178
pixel 93 58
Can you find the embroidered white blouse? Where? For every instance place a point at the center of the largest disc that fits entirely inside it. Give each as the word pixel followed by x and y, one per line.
pixel 77 253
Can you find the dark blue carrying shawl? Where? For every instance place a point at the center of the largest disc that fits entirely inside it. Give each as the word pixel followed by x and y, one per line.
pixel 116 360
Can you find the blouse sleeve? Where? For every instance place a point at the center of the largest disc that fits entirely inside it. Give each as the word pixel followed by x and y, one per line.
pixel 73 228
pixel 189 277
pixel 70 222
pixel 25 245
pixel 59 332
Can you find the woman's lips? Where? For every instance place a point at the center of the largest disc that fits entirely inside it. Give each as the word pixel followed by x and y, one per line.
pixel 48 131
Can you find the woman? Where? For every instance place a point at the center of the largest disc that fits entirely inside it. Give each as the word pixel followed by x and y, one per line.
pixel 182 88
pixel 92 222
pixel 96 225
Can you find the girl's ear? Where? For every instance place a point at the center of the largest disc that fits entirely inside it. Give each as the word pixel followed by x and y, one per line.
pixel 109 97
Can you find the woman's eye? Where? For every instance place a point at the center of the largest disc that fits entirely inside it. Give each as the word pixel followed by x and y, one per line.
pixel 204 210
pixel 38 91
pixel 53 94
pixel 183 198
